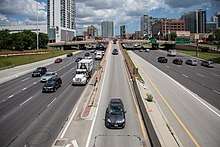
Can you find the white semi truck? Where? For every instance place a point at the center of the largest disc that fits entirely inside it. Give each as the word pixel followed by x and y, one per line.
pixel 83 72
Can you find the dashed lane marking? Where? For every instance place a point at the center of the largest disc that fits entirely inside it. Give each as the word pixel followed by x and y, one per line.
pixel 10 96
pixel 185 75
pixel 26 101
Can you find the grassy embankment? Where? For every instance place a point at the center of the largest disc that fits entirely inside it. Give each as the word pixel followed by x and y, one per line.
pixel 203 55
pixel 12 61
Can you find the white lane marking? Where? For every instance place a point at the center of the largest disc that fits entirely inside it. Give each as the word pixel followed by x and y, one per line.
pixel 26 101
pixel 51 102
pixel 10 96
pixel 96 111
pixel 24 88
pixel 34 83
pixel 167 66
pixel 201 75
pixel 25 79
pixel 216 91
pixel 185 75
pixel 217 75
pixel 69 122
pixel 75 144
pixel 187 90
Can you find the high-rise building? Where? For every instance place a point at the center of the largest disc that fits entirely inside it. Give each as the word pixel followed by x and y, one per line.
pixel 92 31
pixel 195 21
pixel 166 26
pixel 61 20
pixel 210 27
pixel 217 16
pixel 107 28
pixel 122 31
pixel 146 24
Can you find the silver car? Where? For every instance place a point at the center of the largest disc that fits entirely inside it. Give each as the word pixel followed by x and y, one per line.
pixel 192 62
pixel 48 76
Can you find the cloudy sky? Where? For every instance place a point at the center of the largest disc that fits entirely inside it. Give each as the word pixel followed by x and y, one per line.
pixel 126 12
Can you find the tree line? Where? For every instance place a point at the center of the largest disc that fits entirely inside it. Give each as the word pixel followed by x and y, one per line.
pixel 25 40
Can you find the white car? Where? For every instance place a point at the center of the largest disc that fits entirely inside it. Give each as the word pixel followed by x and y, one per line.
pixel 98 55
pixel 80 79
pixel 48 76
pixel 171 53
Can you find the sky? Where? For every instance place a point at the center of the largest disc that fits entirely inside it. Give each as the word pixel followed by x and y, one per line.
pixel 92 12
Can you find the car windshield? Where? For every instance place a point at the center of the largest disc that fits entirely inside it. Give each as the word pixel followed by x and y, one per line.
pixel 49 74
pixel 115 110
pixel 50 83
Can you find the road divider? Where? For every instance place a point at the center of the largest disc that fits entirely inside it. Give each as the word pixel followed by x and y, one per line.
pixel 133 71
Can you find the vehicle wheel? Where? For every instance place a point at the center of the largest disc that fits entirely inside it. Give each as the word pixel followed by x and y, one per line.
pixel 54 89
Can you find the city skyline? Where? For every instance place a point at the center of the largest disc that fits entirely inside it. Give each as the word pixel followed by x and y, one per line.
pixel 121 11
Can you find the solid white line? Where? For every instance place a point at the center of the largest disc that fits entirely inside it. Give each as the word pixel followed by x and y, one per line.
pixel 25 79
pixel 26 101
pixel 51 102
pixel 185 75
pixel 10 96
pixel 24 88
pixel 75 144
pixel 184 88
pixel 95 116
pixel 216 91
pixel 200 75
pixel 69 122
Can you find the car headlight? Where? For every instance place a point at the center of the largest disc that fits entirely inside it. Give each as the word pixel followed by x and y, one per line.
pixel 121 121
pixel 109 120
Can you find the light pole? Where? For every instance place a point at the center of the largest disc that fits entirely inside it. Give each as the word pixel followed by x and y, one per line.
pixel 37 28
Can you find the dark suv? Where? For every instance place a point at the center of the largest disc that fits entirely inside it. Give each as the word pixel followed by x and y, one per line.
pixel 52 84
pixel 178 61
pixel 39 72
pixel 115 114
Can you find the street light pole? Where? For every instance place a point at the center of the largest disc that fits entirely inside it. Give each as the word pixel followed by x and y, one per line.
pixel 37 28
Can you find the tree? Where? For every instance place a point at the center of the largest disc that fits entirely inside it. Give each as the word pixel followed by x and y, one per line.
pixel 4 39
pixel 217 35
pixel 43 40
pixel 173 36
pixel 210 38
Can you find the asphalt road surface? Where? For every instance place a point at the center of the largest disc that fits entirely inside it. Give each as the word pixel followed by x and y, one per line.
pixel 32 118
pixel 116 84
pixel 194 121
pixel 203 81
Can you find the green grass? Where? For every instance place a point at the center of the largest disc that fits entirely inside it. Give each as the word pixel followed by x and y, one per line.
pixel 203 55
pixel 12 61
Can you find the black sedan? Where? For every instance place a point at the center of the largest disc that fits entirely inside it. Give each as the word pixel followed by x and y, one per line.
pixel 162 59
pixel 115 115
pixel 178 61
pixel 52 84
pixel 39 72
pixel 115 52
pixel 69 55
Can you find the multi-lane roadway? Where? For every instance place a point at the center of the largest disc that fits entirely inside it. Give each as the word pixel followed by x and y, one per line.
pixel 199 79
pixel 191 115
pixel 30 117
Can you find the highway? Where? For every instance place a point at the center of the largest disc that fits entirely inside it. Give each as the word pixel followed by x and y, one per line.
pixel 116 84
pixel 30 117
pixel 203 81
pixel 194 121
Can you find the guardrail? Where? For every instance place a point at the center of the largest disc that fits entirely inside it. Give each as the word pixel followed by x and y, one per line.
pixel 154 140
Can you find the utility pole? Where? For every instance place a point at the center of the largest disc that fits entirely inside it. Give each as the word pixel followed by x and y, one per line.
pixel 37 28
